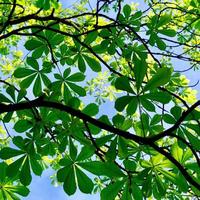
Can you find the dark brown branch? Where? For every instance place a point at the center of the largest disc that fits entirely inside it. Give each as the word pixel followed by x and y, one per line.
pixel 169 131
pixel 40 102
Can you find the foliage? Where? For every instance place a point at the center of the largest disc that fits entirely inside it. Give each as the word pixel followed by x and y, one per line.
pixel 97 93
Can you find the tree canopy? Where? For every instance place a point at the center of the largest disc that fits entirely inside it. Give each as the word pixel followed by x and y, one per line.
pixel 98 91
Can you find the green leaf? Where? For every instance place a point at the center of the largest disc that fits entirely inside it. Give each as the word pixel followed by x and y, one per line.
pixel 127 10
pixel 23 72
pixel 91 37
pixel 21 190
pixel 36 167
pixel 118 120
pixel 79 90
pixel 77 77
pixel 86 152
pixel 132 106
pixel 22 125
pixel 168 119
pixel 33 63
pixel 130 165
pixel 168 32
pixel 111 191
pixel 14 168
pixel 84 183
pixel 163 20
pixel 98 168
pixel 160 185
pixel 126 195
pixel 69 185
pixel 121 102
pixel 161 77
pixel 91 109
pixel 37 88
pixel 25 174
pixel 195 142
pixel 160 43
pixel 27 81
pixel 169 175
pixel 3 167
pixel 176 112
pixel 137 193
pixel 81 64
pixel 56 40
pixel 33 44
pixel 147 104
pixel 177 152
pixel 93 64
pixel 72 149
pixel 63 173
pixel 44 4
pixel 111 153
pixel 4 99
pixel 123 83
pixel 8 152
pixel 162 97
pixel 140 69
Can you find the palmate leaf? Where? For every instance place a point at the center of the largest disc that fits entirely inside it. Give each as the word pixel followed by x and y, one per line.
pixel 8 189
